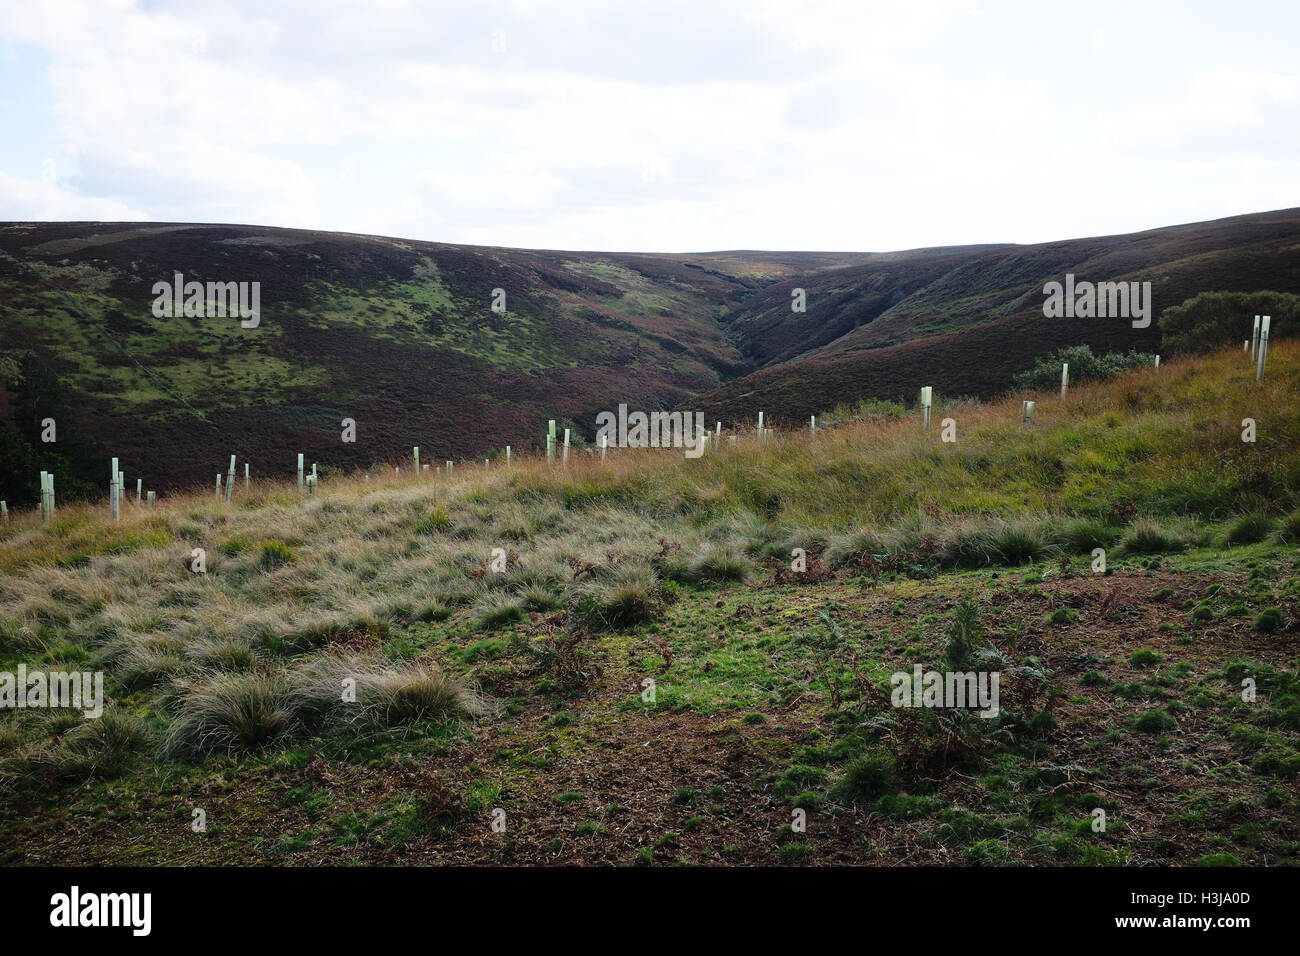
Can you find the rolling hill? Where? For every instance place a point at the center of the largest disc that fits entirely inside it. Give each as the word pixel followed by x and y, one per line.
pixel 400 335
pixel 966 322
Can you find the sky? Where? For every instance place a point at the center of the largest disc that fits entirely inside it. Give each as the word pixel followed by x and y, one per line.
pixel 671 126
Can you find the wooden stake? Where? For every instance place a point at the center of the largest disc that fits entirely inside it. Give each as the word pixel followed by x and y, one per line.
pixel 1254 339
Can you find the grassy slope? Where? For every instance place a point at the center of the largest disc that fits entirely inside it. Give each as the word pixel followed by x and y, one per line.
pixel 763 703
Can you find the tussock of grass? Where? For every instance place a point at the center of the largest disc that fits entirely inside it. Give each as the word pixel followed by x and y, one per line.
pixel 432 522
pixel 1083 535
pixel 231 712
pixel 633 596
pixel 107 746
pixel 851 547
pixel 539 598
pixel 1268 620
pixel 245 712
pixel 497 609
pixel 1149 536
pixel 867 778
pixel 275 554
pixel 1250 529
pixel 719 563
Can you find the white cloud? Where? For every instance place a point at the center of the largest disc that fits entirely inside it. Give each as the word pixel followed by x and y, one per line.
pixel 673 125
pixel 34 200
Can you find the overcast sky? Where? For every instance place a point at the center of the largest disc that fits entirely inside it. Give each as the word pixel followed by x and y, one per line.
pixel 668 126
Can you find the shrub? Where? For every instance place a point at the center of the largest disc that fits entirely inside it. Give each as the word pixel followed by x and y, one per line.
pixel 1213 319
pixel 1084 367
pixel 1289 529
